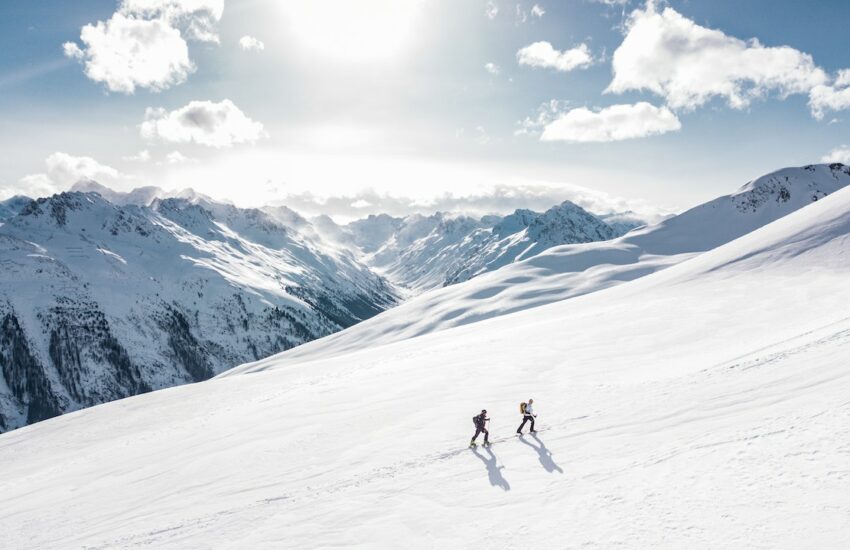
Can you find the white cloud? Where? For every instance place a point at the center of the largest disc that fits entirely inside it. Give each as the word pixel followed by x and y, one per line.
pixel 614 123
pixel 542 54
pixel 143 44
pixel 546 113
pixel 251 44
pixel 71 50
pixel 360 204
pixel 176 157
pixel 206 123
pixel 833 97
pixel 839 154
pixel 688 64
pixel 125 53
pixel 141 156
pixel 537 11
pixel 491 11
pixel 63 171
pixel 492 68
pixel 521 14
pixel 196 18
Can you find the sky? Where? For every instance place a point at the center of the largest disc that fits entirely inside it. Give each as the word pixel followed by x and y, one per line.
pixel 353 107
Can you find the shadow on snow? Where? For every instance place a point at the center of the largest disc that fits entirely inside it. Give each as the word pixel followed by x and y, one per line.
pixel 494 470
pixel 543 455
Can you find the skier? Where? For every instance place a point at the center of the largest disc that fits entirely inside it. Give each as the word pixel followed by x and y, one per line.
pixel 527 411
pixel 480 421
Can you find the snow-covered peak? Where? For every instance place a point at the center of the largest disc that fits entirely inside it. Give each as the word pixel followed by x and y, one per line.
pixel 12 206
pixel 513 223
pixel 565 214
pixel 792 185
pixel 287 216
pixel 141 196
pixel 754 205
pixel 111 300
pixel 187 214
pixel 74 209
pixel 422 252
pixel 568 223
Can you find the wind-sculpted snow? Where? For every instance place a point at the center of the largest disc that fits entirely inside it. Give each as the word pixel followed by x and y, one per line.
pixel 100 301
pixel 565 272
pixel 703 406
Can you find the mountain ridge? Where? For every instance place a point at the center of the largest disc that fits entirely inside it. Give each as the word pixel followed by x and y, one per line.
pixel 425 252
pixel 101 301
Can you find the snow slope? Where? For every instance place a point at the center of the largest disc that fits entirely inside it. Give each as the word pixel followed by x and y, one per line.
pixel 568 271
pixel 705 406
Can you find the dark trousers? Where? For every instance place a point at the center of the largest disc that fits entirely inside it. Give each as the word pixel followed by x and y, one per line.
pixel 481 430
pixel 525 419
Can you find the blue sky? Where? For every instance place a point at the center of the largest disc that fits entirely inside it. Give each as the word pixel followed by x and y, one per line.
pixel 403 105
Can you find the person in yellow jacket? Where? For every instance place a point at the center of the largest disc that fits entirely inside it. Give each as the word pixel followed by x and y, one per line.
pixel 527 411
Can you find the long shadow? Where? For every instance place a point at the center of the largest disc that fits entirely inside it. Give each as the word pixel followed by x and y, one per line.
pixel 543 455
pixel 494 471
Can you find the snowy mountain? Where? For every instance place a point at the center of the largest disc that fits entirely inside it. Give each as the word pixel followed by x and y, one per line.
pixel 525 234
pixel 425 252
pixel 100 301
pixel 568 271
pixel 703 406
pixel 141 196
pixel 10 208
pixel 144 196
pixel 420 252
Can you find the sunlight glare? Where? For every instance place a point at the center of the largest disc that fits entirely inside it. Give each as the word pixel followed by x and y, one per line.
pixel 362 30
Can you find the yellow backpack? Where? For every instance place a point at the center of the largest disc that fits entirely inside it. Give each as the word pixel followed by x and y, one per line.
pixel 522 407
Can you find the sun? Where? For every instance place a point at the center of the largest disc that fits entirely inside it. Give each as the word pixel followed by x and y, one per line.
pixel 359 31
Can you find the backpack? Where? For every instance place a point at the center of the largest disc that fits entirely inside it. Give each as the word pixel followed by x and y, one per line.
pixel 475 421
pixel 522 407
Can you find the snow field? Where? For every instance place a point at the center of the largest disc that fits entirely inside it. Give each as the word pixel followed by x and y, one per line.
pixel 705 406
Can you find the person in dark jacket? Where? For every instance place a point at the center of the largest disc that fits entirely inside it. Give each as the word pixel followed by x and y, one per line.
pixel 480 422
pixel 527 411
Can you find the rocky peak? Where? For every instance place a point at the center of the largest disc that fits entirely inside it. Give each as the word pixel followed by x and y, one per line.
pixel 798 185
